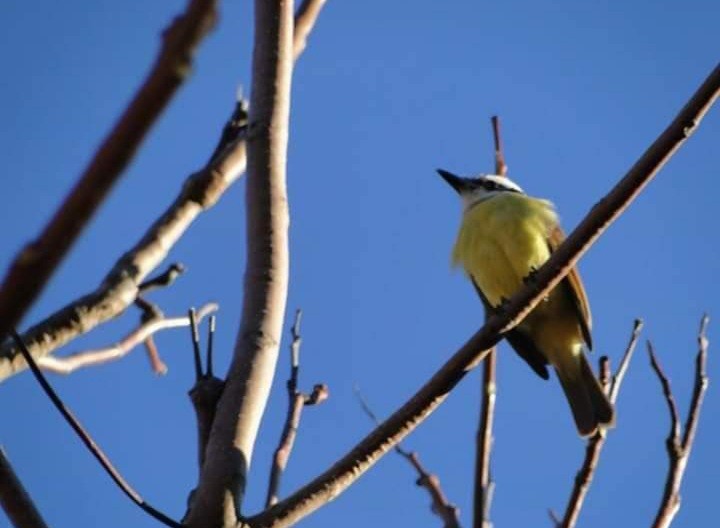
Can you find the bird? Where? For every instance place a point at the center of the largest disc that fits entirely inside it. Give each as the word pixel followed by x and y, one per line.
pixel 504 237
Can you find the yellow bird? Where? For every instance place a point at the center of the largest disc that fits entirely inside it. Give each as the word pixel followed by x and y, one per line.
pixel 505 236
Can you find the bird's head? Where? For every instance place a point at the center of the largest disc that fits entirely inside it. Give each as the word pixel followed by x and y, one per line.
pixel 479 188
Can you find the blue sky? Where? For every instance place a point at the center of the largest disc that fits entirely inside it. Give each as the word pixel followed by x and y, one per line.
pixel 385 93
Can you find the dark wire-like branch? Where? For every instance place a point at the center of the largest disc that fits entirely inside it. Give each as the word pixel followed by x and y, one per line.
pixel 15 500
pixel 679 446
pixel 94 449
pixel 369 450
pixel 297 401
pixel 100 356
pixel 584 477
pixel 484 485
pixel 207 389
pixel 440 505
pixel 37 261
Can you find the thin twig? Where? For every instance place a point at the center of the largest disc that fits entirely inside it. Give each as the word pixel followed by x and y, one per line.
pixel 371 448
pixel 440 505
pixel 100 356
pixel 586 473
pixel 484 486
pixel 679 448
pixel 305 19
pixel 15 500
pixel 36 263
pixel 151 312
pixel 297 400
pixel 163 280
pixel 500 166
pixel 207 389
pixel 88 441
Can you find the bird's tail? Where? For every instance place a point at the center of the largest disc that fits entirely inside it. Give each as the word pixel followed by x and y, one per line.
pixel 589 404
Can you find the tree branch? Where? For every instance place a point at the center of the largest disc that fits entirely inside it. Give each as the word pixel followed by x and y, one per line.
pixel 199 193
pixel 594 446
pixel 90 444
pixel 297 401
pixel 219 495
pixel 120 287
pixel 439 505
pixel 484 486
pixel 100 356
pixel 305 19
pixel 16 502
pixel 350 467
pixel 679 448
pixel 36 263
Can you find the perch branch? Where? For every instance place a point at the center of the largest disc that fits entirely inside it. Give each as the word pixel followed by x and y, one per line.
pixel 94 449
pixel 678 447
pixel 297 400
pixel 440 505
pixel 15 500
pixel 33 267
pixel 585 475
pixel 100 356
pixel 369 450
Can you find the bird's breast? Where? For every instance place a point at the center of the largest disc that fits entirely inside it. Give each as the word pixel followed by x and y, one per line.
pixel 501 240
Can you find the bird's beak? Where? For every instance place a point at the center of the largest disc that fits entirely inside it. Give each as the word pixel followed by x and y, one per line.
pixel 456 182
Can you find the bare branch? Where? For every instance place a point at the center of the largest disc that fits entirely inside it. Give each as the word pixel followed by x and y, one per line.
pixel 36 263
pixel 100 356
pixel 484 486
pixel 206 392
pixel 219 495
pixel 15 500
pixel 351 466
pixel 296 402
pixel 679 448
pixel 305 19
pixel 594 446
pixel 163 280
pixel 625 362
pixel 674 435
pixel 199 193
pixel 94 449
pixel 120 287
pixel 440 505
pixel 500 166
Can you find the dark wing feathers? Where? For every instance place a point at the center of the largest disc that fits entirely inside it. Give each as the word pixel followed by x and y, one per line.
pixel 574 288
pixel 522 344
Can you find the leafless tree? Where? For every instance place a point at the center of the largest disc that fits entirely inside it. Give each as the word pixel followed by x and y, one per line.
pixel 229 409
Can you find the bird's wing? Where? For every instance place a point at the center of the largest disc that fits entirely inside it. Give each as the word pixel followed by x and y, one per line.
pixel 574 288
pixel 522 344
